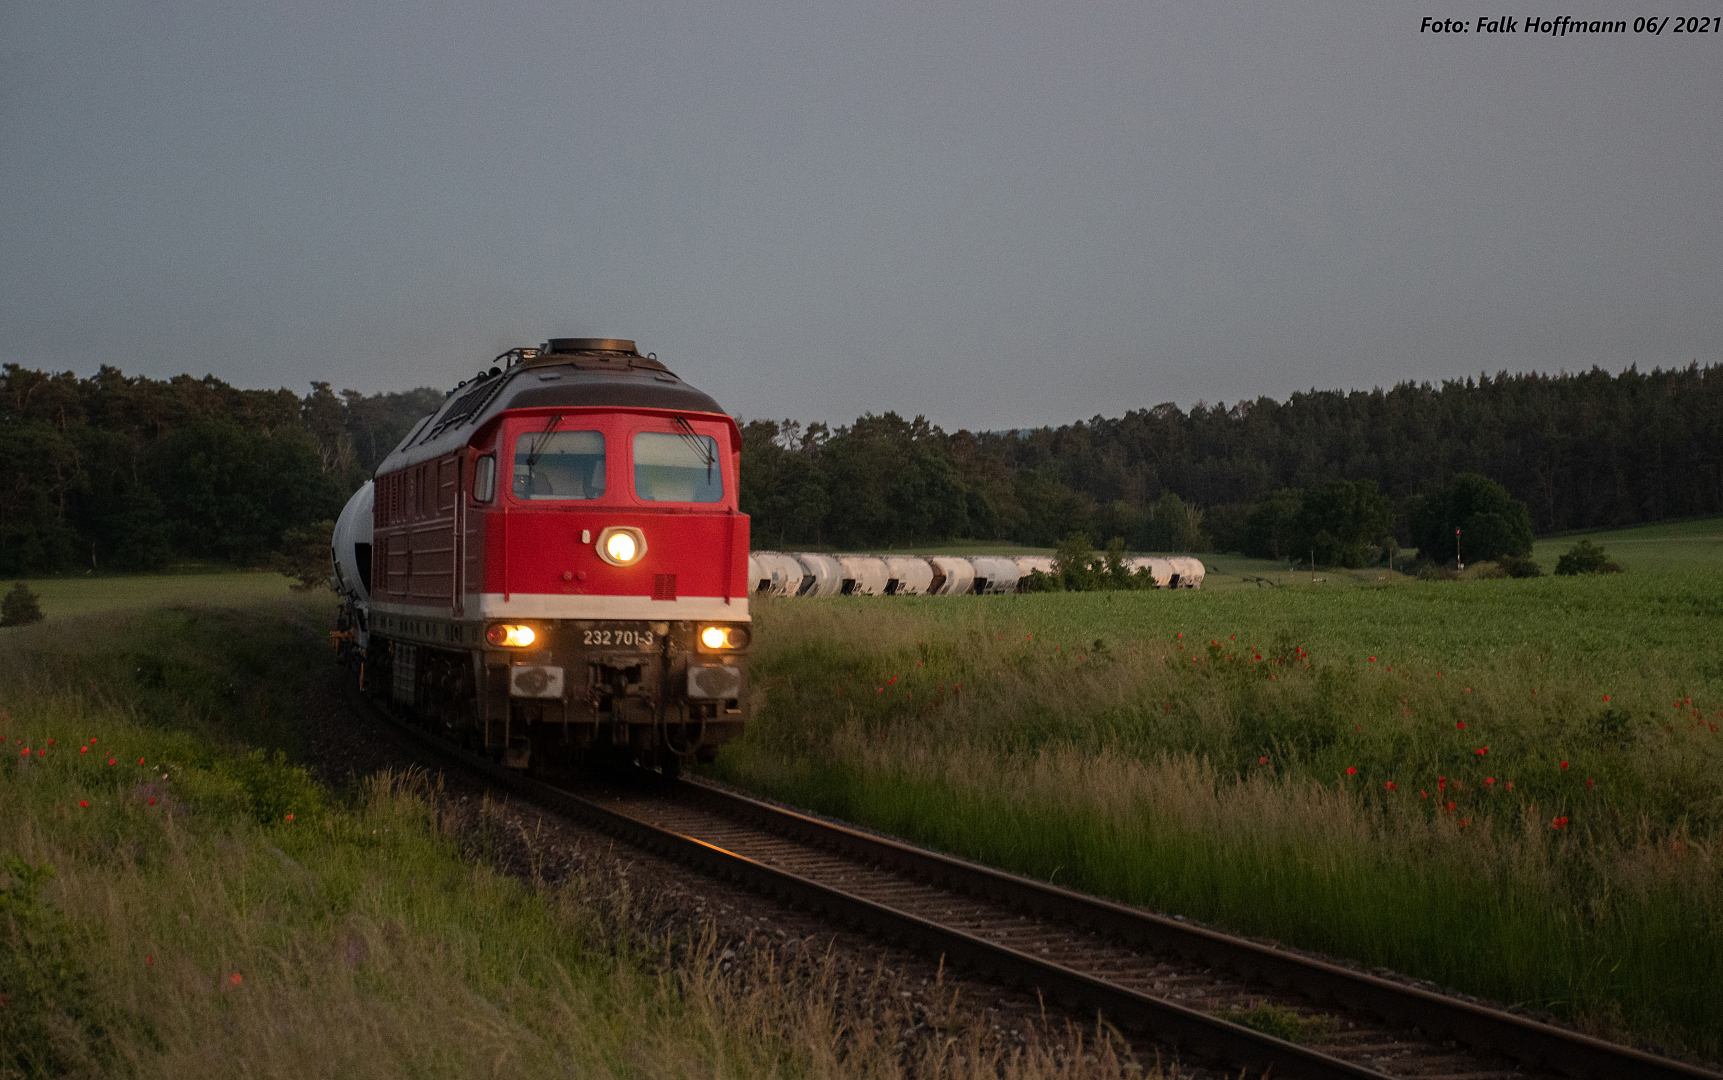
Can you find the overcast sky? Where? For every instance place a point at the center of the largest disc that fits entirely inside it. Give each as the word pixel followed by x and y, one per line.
pixel 996 214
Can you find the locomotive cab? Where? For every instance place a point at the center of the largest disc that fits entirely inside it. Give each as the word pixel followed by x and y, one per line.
pixel 559 566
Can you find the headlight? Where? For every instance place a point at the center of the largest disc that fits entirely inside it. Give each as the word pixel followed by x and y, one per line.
pixel 722 638
pixel 511 635
pixel 621 546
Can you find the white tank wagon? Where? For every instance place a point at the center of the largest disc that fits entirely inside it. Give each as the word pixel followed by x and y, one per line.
pixel 995 574
pixel 822 575
pixel 1189 572
pixel 350 551
pixel 759 577
pixel 1028 564
pixel 784 574
pixel 952 576
pixel 911 575
pixel 864 575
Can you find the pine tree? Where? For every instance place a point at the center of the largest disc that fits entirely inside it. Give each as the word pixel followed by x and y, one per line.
pixel 20 607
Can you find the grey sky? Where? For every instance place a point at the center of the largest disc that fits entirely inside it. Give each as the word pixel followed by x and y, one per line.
pixel 998 214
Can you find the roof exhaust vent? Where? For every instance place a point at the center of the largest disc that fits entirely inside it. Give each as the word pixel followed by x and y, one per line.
pixel 587 344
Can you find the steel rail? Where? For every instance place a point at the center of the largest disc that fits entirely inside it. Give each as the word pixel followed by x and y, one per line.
pixel 1480 1027
pixel 1202 1035
pixel 1190 1031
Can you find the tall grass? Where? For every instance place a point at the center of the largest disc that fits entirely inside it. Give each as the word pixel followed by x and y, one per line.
pixel 178 898
pixel 1572 866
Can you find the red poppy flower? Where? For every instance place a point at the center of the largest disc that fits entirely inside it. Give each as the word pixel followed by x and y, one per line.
pixel 234 978
pixel 1510 785
pixel 1351 770
pixel 1452 806
pixel 83 749
pixel 50 742
pixel 1564 764
pixel 149 960
pixel 1559 823
pixel 152 800
pixel 1589 782
pixel 1441 783
pixel 1489 781
pixel 110 761
pixel 1372 659
pixel 92 740
pixel 1259 656
pixel 1262 761
pixel 1461 725
pixel 1606 697
pixel 1423 794
pixel 1481 751
pixel 891 680
pixel 1390 786
pixel 140 761
pixel 289 817
pixel 84 804
pixel 26 751
pixel 1464 822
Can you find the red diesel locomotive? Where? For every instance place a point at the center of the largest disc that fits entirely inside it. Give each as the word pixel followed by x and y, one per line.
pixel 552 566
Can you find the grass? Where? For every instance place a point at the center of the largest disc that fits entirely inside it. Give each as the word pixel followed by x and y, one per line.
pixel 69 597
pixel 178 898
pixel 1571 867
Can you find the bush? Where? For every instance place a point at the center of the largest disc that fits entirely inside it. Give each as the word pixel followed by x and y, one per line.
pixel 1520 566
pixel 1586 557
pixel 20 607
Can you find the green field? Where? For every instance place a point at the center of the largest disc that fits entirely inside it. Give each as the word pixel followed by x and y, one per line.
pixel 1134 744
pixel 64 598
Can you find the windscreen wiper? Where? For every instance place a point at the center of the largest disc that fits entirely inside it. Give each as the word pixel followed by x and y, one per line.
pixel 538 447
pixel 699 443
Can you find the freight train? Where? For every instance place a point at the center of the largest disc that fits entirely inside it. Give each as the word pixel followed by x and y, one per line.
pixel 553 568
pixel 810 574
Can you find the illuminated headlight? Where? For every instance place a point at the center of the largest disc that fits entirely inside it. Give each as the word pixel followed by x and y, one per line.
pixel 511 636
pixel 621 546
pixel 722 638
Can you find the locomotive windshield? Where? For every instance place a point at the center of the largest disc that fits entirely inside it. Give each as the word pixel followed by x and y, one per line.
pixel 559 465
pixel 677 468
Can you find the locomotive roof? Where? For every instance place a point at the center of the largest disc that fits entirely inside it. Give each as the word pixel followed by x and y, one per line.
pixel 534 378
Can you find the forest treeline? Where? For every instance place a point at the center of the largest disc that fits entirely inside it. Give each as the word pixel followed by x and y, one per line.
pixel 117 472
pixel 1266 477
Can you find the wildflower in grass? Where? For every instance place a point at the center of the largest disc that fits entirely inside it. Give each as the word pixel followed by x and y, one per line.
pixel 1441 783
pixel 110 761
pixel 149 961
pixel 891 680
pixel 1559 823
pixel 289 817
pixel 1262 761
pixel 1452 806
pixel 1461 725
pixel 1589 781
pixel 92 740
pixel 1464 822
pixel 1351 770
pixel 1481 751
pixel 234 979
pixel 1510 785
pixel 1564 765
pixel 26 751
pixel 1390 786
pixel 50 742
pixel 1606 697
pixel 1372 659
pixel 1423 794
pixel 152 800
pixel 140 761
pixel 1258 656
pixel 1489 781
pixel 83 804
pixel 83 749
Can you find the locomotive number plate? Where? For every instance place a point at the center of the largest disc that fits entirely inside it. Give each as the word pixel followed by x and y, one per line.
pixel 618 637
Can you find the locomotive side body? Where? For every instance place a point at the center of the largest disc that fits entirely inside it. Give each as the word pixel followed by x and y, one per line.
pixel 559 567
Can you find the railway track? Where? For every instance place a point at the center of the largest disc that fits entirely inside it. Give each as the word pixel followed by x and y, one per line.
pixel 1152 976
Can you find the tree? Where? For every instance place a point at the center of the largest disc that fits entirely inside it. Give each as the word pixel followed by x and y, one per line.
pixel 20 607
pixel 1586 557
pixel 1492 523
pixel 1344 523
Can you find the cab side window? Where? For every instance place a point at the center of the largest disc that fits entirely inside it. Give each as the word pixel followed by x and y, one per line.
pixel 485 478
